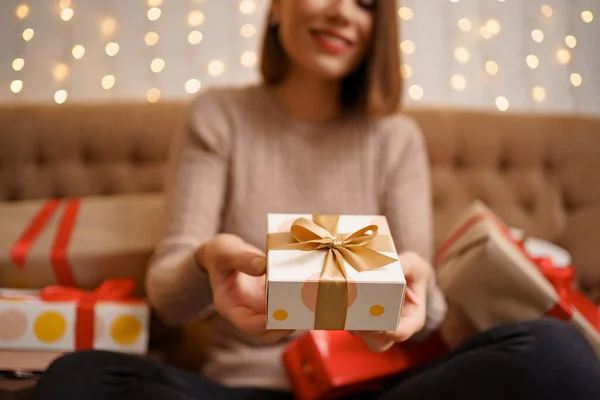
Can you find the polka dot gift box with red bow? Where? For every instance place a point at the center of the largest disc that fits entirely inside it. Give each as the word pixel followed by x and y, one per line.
pixel 63 319
pixel 332 272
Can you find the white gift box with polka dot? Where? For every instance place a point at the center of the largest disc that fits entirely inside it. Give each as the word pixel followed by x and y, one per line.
pixel 375 297
pixel 28 323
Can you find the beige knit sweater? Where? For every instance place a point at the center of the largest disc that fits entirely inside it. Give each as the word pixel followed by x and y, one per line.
pixel 243 157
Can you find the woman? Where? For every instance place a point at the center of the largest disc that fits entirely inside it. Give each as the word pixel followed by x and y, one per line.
pixel 320 135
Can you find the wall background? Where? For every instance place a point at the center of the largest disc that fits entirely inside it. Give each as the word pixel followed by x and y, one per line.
pixel 464 53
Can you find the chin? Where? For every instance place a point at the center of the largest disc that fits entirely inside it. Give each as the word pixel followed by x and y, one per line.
pixel 328 69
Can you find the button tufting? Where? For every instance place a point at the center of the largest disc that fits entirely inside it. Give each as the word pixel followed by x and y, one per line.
pixel 40 158
pixel 504 165
pixel 528 205
pixel 548 165
pixel 459 163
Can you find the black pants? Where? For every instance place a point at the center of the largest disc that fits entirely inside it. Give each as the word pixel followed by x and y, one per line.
pixel 543 359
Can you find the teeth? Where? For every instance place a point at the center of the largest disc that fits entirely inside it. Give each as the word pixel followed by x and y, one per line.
pixel 333 39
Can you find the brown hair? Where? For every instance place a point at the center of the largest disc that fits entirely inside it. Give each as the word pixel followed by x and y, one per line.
pixel 374 87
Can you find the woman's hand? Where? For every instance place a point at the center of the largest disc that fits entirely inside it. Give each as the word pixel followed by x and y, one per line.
pixel 418 273
pixel 236 271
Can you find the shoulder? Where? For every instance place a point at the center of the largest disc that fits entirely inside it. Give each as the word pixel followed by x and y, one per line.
pixel 220 100
pixel 398 133
pixel 211 114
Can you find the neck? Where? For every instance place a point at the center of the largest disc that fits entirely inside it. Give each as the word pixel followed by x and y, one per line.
pixel 309 99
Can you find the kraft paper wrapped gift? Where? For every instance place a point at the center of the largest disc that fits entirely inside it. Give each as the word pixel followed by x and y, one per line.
pixel 78 242
pixel 61 319
pixel 492 277
pixel 329 272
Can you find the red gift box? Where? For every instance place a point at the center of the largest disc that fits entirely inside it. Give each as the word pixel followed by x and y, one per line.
pixel 329 364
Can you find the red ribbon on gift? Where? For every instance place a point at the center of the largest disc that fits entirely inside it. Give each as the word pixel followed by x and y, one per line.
pixel 560 278
pixel 117 289
pixel 58 252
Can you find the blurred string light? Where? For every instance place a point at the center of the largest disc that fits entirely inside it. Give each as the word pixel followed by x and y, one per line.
pixel 60 96
pixel 18 64
pixel 157 65
pixel 28 34
pixel 154 3
pixel 416 92
pixel 494 27
pixel 192 86
pixel 539 94
pixel 108 26
pixel 458 82
pixel 153 95
pixel 60 72
pixel 247 30
pixel 563 56
pixel 485 32
pixel 22 11
pixel 576 79
pixel 195 18
pixel 587 17
pixel 248 59
pixel 78 51
pixel 66 14
pixel 405 13
pixel 195 37
pixel 532 61
pixel 16 86
pixel 408 47
pixel 154 14
pixel 111 49
pixel 547 11
pixel 216 68
pixel 465 24
pixel 247 6
pixel 537 35
pixel 108 82
pixel 151 38
pixel 571 41
pixel 462 55
pixel 502 103
pixel 491 67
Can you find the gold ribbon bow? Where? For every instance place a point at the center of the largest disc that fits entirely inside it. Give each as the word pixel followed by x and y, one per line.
pixel 360 249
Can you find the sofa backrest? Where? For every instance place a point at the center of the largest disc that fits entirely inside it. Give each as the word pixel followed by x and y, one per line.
pixel 537 172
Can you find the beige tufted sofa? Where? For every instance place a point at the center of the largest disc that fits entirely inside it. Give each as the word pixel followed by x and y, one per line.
pixel 537 172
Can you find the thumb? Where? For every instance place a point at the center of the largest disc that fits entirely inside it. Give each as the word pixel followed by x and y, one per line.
pixel 231 253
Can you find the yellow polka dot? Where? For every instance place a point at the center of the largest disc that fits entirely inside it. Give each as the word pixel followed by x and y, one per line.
pixel 280 315
pixel 376 310
pixel 49 327
pixel 125 329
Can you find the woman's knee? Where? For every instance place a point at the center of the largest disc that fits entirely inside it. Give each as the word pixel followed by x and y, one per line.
pixel 561 351
pixel 82 362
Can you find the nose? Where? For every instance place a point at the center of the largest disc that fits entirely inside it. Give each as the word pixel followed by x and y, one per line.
pixel 341 9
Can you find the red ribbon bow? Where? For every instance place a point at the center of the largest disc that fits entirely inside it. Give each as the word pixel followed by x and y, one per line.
pixel 118 289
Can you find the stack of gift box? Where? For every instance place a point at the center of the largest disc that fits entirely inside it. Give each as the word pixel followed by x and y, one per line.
pixel 333 274
pixel 71 276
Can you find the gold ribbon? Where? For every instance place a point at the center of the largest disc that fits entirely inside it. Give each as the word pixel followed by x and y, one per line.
pixel 360 249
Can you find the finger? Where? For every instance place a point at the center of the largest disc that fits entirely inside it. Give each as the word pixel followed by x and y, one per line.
pixel 230 253
pixel 408 326
pixel 247 320
pixel 376 341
